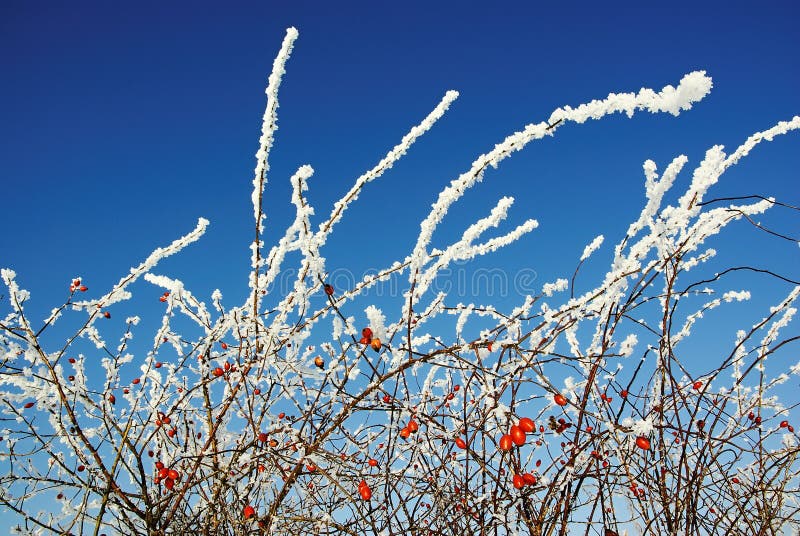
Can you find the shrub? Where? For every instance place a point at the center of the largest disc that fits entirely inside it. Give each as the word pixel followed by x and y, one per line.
pixel 288 415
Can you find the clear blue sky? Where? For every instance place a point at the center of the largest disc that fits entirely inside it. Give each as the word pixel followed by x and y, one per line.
pixel 120 126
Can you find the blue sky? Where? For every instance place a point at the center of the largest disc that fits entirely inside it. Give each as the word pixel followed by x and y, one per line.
pixel 120 126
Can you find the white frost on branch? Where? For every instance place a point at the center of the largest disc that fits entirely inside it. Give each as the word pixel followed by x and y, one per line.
pixel 268 127
pixel 18 296
pixel 693 87
pixel 560 285
pixel 118 293
pixel 628 345
pixel 591 248
pixel 782 321
pixel 643 427
pixel 465 250
pixel 732 295
pixel 385 163
pixel 296 234
pixel 463 316
pixel 377 322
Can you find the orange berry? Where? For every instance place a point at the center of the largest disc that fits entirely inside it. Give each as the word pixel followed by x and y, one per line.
pixel 560 399
pixel 517 435
pixel 526 425
pixel 249 512
pixel 364 491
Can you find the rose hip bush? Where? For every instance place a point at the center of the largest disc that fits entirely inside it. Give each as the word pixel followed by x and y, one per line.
pixel 573 412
